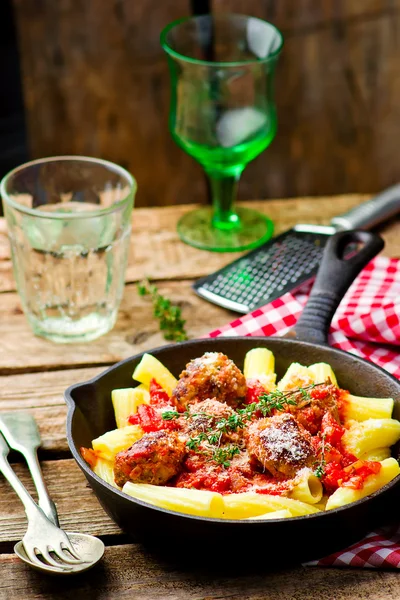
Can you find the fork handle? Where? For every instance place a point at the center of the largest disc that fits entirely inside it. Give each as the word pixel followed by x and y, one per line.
pixel 21 433
pixel 45 502
pixel 31 508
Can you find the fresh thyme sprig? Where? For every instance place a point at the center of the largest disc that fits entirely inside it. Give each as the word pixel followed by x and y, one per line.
pixel 169 315
pixel 169 415
pixel 276 400
pixel 194 442
pixel 223 456
pixel 320 468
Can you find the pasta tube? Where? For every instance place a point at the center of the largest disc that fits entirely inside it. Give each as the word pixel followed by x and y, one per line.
pixel 190 501
pixel 378 454
pixel 370 434
pixel 109 444
pixel 321 505
pixel 104 470
pixel 258 361
pixel 251 504
pixel 151 368
pixel 296 376
pixel 361 409
pixel 275 514
pixel 342 496
pixel 321 372
pixel 307 488
pixel 126 402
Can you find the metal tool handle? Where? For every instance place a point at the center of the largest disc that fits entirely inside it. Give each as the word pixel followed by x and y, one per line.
pixel 334 277
pixel 31 508
pixel 21 433
pixel 369 214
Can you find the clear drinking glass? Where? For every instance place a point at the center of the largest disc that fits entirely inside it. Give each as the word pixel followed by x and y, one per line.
pixel 222 113
pixel 69 222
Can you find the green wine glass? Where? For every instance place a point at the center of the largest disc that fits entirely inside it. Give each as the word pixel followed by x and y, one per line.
pixel 223 114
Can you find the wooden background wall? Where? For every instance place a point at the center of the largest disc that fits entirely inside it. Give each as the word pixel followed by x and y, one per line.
pixel 96 82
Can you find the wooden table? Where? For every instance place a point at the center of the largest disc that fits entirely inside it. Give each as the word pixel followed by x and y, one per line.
pixel 34 373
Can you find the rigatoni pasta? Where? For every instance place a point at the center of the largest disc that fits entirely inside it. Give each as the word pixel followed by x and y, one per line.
pixel 307 487
pixel 112 442
pixel 105 470
pixel 345 495
pixel 126 401
pixel 361 409
pixel 193 502
pixel 284 513
pixel 250 504
pixel 361 437
pixel 322 372
pixel 378 454
pixel 223 444
pixel 151 368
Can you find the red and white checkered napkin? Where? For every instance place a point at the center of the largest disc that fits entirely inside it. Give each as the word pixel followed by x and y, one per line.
pixel 367 324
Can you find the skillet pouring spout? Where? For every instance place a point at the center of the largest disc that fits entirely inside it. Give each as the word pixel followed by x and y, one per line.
pixel 345 255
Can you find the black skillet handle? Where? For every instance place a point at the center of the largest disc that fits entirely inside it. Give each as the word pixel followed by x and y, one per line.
pixel 335 275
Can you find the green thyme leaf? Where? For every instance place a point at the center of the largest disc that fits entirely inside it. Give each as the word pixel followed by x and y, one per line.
pixel 223 456
pixel 320 469
pixel 168 415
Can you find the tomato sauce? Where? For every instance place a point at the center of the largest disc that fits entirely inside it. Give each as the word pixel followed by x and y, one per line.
pixel 342 404
pixel 226 481
pixel 150 419
pixel 200 474
pixel 158 397
pixel 254 390
pixel 338 467
pixel 319 416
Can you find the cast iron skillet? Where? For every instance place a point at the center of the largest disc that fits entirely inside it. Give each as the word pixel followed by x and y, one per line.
pixel 90 414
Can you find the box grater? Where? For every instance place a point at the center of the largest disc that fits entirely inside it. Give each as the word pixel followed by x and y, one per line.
pixel 289 260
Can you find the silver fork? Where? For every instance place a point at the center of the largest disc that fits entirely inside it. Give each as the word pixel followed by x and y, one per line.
pixel 21 434
pixel 42 538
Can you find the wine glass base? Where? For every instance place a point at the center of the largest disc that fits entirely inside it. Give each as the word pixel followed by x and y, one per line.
pixel 253 229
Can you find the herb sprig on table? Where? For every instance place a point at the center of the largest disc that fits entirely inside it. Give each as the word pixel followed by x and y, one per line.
pixel 212 435
pixel 169 315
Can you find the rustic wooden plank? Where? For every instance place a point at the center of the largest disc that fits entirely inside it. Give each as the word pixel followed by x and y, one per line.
pixel 136 330
pixel 102 71
pixel 337 88
pixel 129 572
pixel 130 568
pixel 41 394
pixel 108 85
pixel 157 252
pixel 78 507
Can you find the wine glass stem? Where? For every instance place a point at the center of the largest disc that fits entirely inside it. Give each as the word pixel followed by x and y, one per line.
pixel 223 192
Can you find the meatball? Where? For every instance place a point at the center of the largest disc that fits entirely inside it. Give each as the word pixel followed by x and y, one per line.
pixel 280 444
pixel 205 416
pixel 212 375
pixel 155 458
pixel 309 411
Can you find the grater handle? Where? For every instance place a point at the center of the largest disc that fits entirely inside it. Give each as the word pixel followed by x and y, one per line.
pixel 335 275
pixel 369 214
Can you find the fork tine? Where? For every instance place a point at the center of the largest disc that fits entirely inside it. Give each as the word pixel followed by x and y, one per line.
pixel 48 558
pixel 67 545
pixel 30 552
pixel 61 553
